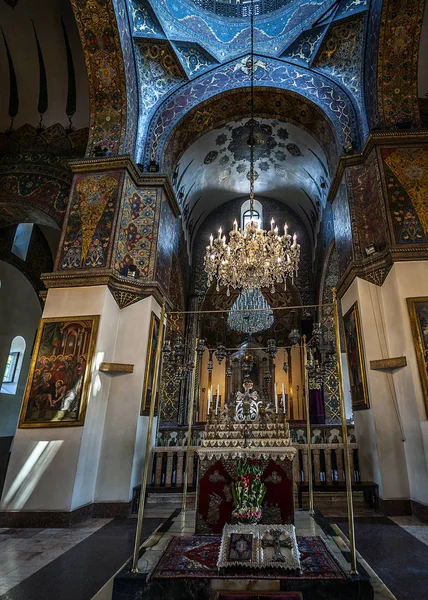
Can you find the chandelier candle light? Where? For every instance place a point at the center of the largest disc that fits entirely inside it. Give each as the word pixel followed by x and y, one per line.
pixel 254 257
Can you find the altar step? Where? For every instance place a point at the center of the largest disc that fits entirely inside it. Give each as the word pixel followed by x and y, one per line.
pixel 171 497
pixel 332 500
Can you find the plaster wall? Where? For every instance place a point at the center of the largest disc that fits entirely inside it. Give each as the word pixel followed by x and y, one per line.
pixel 407 280
pixel 382 454
pixel 125 431
pixel 20 312
pixel 54 469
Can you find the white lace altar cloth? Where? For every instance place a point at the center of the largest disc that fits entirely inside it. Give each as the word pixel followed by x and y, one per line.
pixel 270 546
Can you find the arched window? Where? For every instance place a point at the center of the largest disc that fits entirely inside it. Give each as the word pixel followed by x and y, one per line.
pixel 13 365
pixel 246 213
pixel 22 239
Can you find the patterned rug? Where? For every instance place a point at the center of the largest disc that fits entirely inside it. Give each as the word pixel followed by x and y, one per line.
pixel 259 596
pixel 196 556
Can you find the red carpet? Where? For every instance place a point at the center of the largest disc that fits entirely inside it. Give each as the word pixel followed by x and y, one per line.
pixel 259 596
pixel 196 556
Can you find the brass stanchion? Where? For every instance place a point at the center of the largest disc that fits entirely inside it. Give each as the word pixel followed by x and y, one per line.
pixel 189 429
pixel 308 426
pixel 348 479
pixel 147 456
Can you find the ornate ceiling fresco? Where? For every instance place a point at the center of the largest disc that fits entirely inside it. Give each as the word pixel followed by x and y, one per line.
pixel 186 55
pixel 290 166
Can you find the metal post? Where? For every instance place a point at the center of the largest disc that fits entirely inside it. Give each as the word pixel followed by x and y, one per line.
pixel 348 479
pixel 189 428
pixel 308 426
pixel 147 456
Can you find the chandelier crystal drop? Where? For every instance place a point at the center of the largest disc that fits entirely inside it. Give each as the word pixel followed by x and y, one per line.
pixel 253 258
pixel 250 313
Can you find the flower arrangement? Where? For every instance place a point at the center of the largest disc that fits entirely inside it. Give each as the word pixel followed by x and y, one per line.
pixel 248 491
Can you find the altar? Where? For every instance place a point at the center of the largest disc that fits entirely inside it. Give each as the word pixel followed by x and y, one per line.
pixel 246 428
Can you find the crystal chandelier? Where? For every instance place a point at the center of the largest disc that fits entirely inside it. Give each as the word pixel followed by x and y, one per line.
pixel 250 313
pixel 253 258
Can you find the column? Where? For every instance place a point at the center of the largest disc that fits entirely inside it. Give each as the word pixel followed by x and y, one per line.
pixel 86 459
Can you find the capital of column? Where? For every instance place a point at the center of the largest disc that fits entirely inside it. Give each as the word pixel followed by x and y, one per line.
pixel 118 231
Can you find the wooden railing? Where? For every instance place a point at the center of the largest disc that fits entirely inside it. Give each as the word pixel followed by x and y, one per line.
pixel 327 459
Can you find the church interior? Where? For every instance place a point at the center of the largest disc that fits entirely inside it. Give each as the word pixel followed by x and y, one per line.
pixel 214 299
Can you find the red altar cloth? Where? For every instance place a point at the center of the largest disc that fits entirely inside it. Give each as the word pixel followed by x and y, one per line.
pixel 215 503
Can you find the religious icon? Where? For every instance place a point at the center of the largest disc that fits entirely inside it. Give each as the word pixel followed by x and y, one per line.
pixel 241 546
pixel 60 372
pixel 418 311
pixel 355 356
pixel 150 365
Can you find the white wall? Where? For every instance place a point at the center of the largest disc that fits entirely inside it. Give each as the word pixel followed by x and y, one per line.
pixel 101 461
pixel 20 312
pixel 397 409
pixel 125 431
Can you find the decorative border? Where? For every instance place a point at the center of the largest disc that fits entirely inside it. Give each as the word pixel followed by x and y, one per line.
pixel 154 320
pixel 86 382
pixel 365 404
pixel 417 340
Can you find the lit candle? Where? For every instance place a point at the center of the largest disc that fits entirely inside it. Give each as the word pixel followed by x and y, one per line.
pixel 276 399
pixel 209 401
pixel 283 398
pixel 285 228
pixel 211 240
pixel 294 241
pixel 235 225
pixel 219 233
pixel 217 399
pixel 272 223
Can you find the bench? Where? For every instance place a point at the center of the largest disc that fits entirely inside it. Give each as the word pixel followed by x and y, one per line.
pixel 370 489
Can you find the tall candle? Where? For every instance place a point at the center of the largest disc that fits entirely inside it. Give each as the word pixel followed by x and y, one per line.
pixel 217 399
pixel 209 401
pixel 283 398
pixel 276 399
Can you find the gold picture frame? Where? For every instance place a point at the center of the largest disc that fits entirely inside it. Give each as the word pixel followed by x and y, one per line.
pixel 418 313
pixel 60 373
pixel 150 365
pixel 355 359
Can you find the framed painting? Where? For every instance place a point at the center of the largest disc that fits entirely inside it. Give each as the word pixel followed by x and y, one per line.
pixel 60 373
pixel 150 365
pixel 418 311
pixel 355 356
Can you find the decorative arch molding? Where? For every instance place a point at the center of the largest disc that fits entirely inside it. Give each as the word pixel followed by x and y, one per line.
pixel 392 63
pixel 235 104
pixel 280 76
pixel 105 34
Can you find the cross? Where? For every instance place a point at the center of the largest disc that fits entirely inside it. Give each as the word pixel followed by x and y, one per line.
pixel 276 544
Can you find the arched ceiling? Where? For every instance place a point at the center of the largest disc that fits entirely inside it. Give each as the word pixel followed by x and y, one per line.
pixel 186 55
pixel 290 166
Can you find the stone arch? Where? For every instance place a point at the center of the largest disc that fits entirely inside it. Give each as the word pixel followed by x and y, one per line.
pixel 280 77
pixel 107 46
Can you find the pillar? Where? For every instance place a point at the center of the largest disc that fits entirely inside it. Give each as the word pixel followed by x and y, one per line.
pixel 116 218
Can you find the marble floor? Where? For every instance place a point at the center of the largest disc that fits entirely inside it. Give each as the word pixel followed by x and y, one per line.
pixel 30 556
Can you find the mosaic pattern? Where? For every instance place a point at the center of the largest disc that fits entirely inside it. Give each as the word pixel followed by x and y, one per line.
pixel 304 48
pixel 158 74
pixel 398 58
pixel 342 228
pixel 325 94
pixel 144 20
pixel 406 179
pixel 194 59
pixel 370 72
pixel 368 218
pixel 86 240
pixel 235 104
pixel 137 231
pixel 341 54
pixel 164 247
pixel 106 73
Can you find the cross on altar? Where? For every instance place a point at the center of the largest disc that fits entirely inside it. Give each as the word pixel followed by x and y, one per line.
pixel 276 544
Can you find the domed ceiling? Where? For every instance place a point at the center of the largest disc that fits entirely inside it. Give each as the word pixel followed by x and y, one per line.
pixel 290 166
